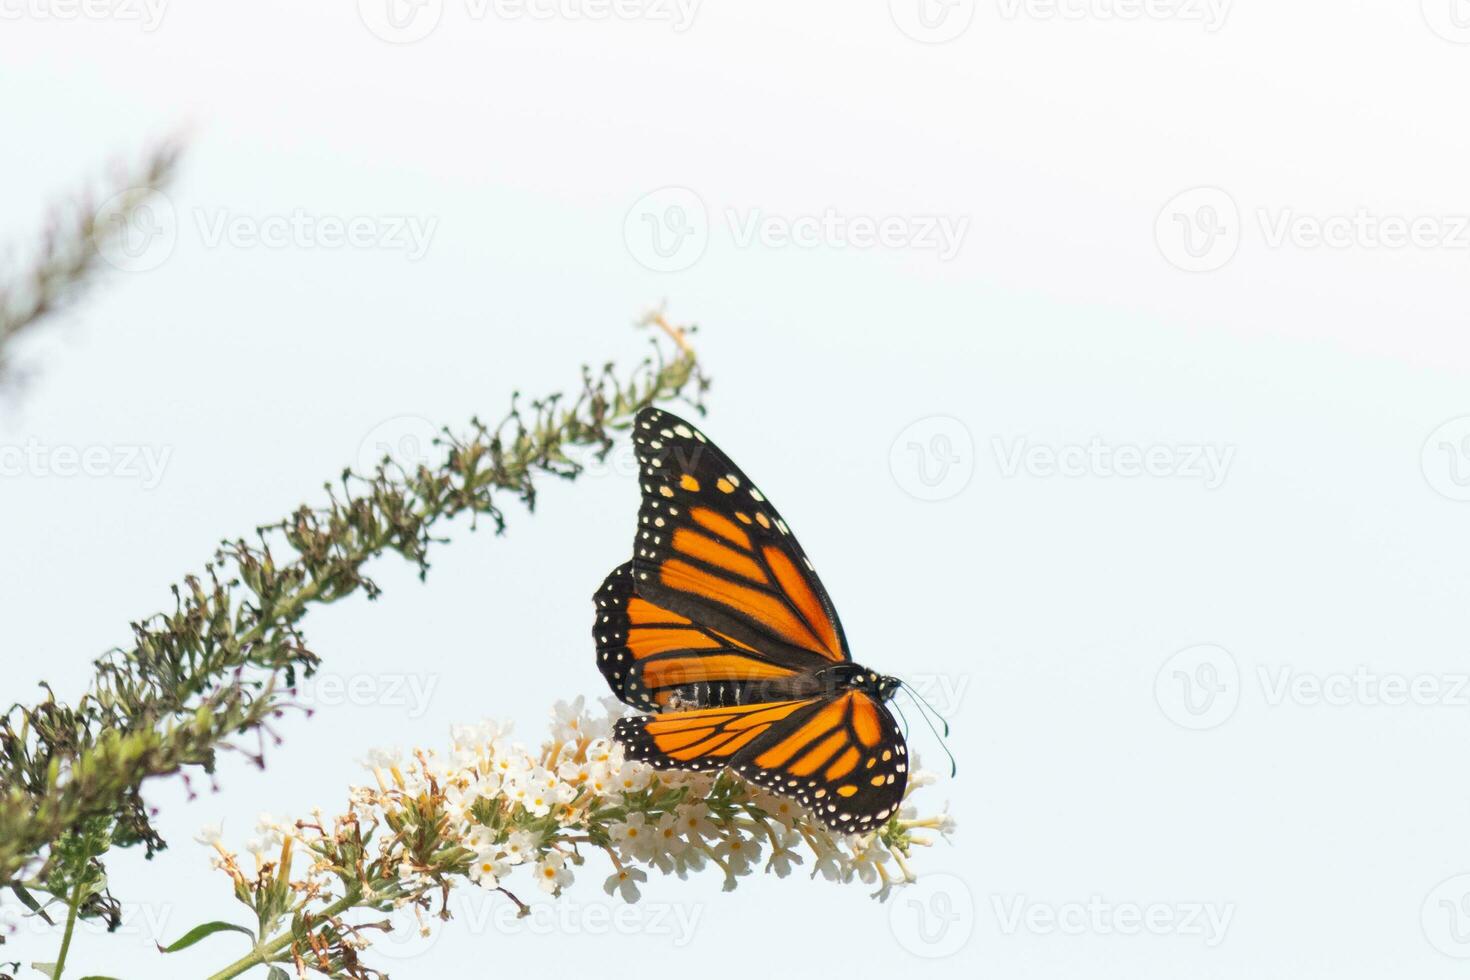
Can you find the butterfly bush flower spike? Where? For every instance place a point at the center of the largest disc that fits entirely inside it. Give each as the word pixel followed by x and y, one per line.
pixel 493 814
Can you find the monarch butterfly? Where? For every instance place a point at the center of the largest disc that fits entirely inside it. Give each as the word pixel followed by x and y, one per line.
pixel 720 626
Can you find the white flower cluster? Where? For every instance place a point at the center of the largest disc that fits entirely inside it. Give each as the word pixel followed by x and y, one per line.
pixel 489 805
pixel 675 822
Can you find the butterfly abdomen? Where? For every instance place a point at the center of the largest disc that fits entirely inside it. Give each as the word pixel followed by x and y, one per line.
pixel 734 693
pixel 821 683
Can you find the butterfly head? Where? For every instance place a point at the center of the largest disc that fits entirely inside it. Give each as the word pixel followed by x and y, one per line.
pixel 854 676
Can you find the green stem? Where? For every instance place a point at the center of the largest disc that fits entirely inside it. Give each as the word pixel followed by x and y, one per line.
pixel 72 908
pixel 266 951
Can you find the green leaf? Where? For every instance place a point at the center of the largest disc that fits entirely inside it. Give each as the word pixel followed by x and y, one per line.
pixel 95 977
pixel 47 968
pixel 199 932
pixel 29 901
pixel 277 974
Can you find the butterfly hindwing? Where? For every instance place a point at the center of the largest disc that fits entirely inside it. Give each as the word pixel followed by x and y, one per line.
pixel 841 756
pixel 713 549
pixel 705 738
pixel 651 655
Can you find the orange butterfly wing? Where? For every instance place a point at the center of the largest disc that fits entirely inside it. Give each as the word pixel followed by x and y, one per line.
pixel 712 549
pixel 648 653
pixel 841 756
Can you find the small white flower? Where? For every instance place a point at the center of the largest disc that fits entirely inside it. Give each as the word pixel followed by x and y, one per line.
pixel 569 720
pixel 487 870
pixel 519 847
pixel 865 862
pixel 573 774
pixel 600 750
pixel 552 872
pixel 695 822
pixel 633 777
pixel 782 810
pixel 625 883
pixel 781 862
pixel 829 866
pixel 211 834
pixel 633 835
pixel 667 834
pixel 739 853
pixel 383 758
pixel 538 799
pixel 920 778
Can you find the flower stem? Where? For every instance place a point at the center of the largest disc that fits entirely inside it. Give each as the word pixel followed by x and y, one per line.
pixel 72 908
pixel 266 951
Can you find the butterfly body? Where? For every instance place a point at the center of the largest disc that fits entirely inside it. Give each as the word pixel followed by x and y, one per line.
pixel 825 682
pixel 721 628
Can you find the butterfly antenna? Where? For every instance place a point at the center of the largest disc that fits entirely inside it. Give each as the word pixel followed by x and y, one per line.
pixel 922 704
pixel 903 720
pixel 920 699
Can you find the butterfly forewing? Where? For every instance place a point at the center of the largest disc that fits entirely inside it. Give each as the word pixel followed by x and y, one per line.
pixel 711 547
pixel 649 654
